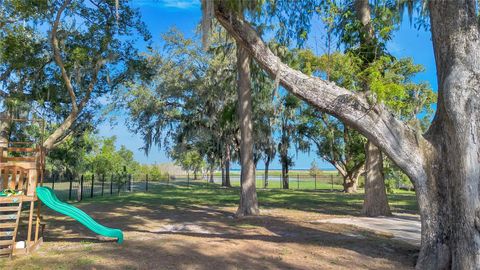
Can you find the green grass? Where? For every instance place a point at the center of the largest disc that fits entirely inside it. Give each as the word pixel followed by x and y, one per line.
pixel 297 180
pixel 322 201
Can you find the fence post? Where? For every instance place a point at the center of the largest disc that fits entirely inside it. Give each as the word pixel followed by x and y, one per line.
pixel 93 184
pixel 70 188
pixel 315 181
pixel 331 179
pixel 146 182
pixel 111 185
pixel 53 182
pixel 298 181
pixel 103 183
pixel 81 188
pixel 125 179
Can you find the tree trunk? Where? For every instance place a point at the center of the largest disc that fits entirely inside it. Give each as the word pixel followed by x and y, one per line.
pixel 227 167
pixel 284 159
pixel 285 177
pixel 375 201
pixel 267 164
pixel 212 169
pixel 223 174
pixel 4 129
pixel 449 196
pixel 248 196
pixel 350 184
pixel 195 174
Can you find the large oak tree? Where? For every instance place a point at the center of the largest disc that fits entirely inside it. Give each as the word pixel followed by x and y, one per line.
pixel 57 58
pixel 443 163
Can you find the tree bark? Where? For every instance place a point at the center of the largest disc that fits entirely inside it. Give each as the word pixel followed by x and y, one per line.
pixel 267 164
pixel 349 175
pixel 4 127
pixel 375 202
pixel 248 196
pixel 350 184
pixel 285 177
pixel 284 159
pixel 449 197
pixel 212 169
pixel 227 167
pixel 223 174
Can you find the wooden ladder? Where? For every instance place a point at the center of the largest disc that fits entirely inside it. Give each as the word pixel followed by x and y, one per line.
pixel 9 220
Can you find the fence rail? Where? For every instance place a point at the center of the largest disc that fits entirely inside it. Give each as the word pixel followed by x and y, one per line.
pixel 93 185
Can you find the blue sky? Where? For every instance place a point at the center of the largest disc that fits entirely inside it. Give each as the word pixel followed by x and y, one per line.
pixel 161 15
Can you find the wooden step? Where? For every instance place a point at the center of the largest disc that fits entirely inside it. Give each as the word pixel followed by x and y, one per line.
pixel 5 251
pixel 8 225
pixel 6 233
pixel 6 242
pixel 19 159
pixel 8 217
pixel 22 149
pixel 14 199
pixel 9 209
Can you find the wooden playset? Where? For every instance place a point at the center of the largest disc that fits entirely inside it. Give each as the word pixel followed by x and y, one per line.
pixel 21 170
pixel 22 167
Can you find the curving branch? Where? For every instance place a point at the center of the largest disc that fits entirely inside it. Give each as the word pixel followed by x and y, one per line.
pixel 400 142
pixel 58 58
pixel 59 134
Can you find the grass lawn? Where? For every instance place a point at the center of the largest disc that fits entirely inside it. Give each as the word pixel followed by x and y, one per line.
pixel 179 227
pixel 322 200
pixel 279 172
pixel 328 180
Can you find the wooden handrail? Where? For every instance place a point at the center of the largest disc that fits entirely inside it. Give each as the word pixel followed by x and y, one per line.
pixel 25 159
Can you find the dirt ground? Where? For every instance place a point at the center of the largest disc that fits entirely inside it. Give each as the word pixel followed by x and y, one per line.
pixel 200 237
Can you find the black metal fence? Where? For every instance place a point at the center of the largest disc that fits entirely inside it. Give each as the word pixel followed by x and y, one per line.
pixel 77 188
pixel 323 181
pixel 91 185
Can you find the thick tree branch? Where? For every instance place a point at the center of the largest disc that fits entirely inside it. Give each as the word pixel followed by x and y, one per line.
pixel 377 124
pixel 58 58
pixel 63 129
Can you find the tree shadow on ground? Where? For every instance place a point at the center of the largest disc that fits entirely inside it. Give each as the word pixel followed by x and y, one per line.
pixel 206 223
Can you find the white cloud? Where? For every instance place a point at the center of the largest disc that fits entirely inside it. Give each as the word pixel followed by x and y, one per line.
pixel 171 4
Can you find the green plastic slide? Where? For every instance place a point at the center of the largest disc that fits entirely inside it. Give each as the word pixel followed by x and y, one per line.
pixel 47 196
